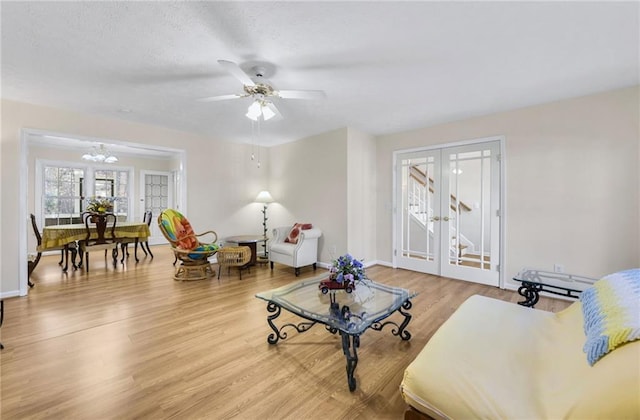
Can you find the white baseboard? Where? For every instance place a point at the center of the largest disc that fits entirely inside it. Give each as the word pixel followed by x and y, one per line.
pixel 366 264
pixel 10 294
pixel 383 263
pixel 323 265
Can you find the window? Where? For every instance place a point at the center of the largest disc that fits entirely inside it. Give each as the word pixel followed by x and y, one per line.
pixel 65 188
pixel 62 192
pixel 113 183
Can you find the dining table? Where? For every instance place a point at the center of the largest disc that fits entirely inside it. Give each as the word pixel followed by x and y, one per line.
pixel 56 236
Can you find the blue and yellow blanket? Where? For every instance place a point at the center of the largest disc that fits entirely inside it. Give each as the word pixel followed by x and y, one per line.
pixel 611 309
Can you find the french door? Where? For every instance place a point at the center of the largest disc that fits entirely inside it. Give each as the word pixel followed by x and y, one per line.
pixel 448 211
pixel 157 191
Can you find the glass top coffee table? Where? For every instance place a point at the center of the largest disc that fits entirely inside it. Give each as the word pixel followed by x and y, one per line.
pixel 536 281
pixel 349 314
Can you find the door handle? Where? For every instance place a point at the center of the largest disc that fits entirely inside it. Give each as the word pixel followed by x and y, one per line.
pixel 435 218
pixel 445 218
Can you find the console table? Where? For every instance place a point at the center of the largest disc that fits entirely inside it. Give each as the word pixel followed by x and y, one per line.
pixel 536 281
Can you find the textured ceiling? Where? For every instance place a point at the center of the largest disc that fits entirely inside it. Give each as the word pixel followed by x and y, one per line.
pixel 385 66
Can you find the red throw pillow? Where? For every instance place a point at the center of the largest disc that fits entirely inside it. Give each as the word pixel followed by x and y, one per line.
pixel 293 235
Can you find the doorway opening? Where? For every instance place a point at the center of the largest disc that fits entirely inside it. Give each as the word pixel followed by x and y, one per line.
pixel 65 150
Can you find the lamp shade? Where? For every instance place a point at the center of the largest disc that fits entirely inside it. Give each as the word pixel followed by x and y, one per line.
pixel 267 113
pixel 264 197
pixel 254 111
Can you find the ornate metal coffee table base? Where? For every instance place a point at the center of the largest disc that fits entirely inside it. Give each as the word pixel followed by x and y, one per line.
pixel 350 342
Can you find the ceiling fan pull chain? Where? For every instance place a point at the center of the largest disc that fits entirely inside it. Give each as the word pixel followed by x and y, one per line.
pixel 253 140
pixel 259 136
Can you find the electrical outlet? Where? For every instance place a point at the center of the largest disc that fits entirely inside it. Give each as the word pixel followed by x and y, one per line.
pixel 332 249
pixel 558 268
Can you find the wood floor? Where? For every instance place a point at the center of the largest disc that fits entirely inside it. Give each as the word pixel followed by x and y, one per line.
pixel 131 343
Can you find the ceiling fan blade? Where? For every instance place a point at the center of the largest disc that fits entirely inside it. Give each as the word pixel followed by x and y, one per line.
pixel 222 97
pixel 237 72
pixel 301 94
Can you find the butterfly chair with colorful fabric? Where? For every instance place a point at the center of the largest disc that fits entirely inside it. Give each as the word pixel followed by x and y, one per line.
pixel 192 253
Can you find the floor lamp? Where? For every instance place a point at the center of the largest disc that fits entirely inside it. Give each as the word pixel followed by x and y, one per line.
pixel 265 198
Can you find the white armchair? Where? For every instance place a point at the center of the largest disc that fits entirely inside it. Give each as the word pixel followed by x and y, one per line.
pixel 297 255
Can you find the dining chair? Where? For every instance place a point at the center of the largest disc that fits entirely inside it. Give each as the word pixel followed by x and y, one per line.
pixel 100 236
pixel 124 242
pixel 148 216
pixel 83 217
pixel 64 257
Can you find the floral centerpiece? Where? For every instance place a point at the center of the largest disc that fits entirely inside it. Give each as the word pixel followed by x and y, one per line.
pixel 346 269
pixel 100 204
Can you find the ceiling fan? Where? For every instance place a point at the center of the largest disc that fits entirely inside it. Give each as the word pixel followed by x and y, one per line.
pixel 261 91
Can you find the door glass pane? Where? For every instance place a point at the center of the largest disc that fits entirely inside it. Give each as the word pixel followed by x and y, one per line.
pixel 156 197
pixel 418 208
pixel 156 193
pixel 469 209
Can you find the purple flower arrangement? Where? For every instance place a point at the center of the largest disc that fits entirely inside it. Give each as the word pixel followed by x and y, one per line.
pixel 346 268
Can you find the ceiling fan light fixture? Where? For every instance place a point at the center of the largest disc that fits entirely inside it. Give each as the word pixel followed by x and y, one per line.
pixel 267 113
pixel 254 111
pixel 257 109
pixel 260 90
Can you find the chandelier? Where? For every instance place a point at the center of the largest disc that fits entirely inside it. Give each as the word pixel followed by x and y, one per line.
pixel 100 154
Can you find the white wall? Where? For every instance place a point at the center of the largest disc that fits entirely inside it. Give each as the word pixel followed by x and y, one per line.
pixel 307 181
pixel 330 181
pixel 222 180
pixel 572 181
pixel 361 196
